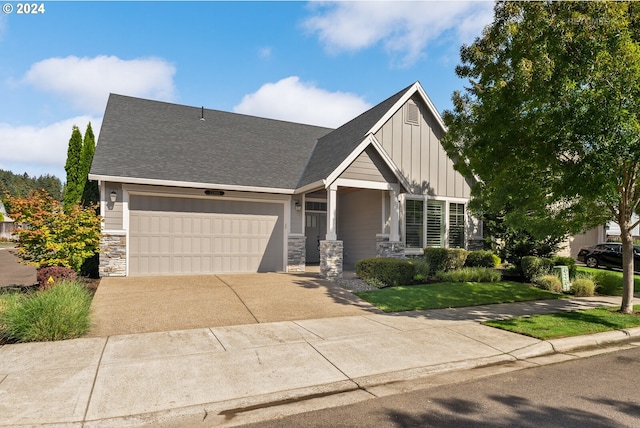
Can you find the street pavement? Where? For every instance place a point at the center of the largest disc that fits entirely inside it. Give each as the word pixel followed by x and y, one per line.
pixel 233 375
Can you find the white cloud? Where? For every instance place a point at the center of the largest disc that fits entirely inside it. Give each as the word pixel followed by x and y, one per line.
pixel 295 101
pixel 41 150
pixel 404 28
pixel 87 82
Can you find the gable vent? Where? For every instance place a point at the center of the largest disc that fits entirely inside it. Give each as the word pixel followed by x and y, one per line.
pixel 411 114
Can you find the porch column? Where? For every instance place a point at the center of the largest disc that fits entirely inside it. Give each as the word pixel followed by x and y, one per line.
pixel 331 250
pixel 332 202
pixel 394 232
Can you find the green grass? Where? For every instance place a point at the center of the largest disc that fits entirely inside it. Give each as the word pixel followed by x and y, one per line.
pixel 60 312
pixel 609 282
pixel 567 324
pixel 451 295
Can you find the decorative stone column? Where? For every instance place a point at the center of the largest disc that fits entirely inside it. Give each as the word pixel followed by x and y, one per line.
pixel 296 253
pixel 331 259
pixel 387 248
pixel 113 254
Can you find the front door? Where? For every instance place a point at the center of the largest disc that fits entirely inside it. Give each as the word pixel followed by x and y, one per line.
pixel 315 230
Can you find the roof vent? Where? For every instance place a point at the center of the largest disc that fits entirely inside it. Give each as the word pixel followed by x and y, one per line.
pixel 411 113
pixel 202 114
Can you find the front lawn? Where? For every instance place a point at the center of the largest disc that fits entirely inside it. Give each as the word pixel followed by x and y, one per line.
pixel 566 324
pixel 452 294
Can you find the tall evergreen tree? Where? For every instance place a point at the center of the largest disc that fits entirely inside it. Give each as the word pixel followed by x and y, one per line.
pixel 90 193
pixel 75 179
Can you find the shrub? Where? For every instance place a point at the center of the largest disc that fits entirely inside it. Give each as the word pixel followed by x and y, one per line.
pixel 496 260
pixel 549 282
pixel 533 267
pixel 583 287
pixel 54 237
pixel 608 283
pixel 482 259
pixel 437 259
pixel 568 262
pixel 48 276
pixel 388 271
pixel 421 270
pixel 57 313
pixel 444 259
pixel 470 274
pixel 457 257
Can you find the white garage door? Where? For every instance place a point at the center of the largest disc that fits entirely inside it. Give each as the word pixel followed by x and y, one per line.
pixel 196 236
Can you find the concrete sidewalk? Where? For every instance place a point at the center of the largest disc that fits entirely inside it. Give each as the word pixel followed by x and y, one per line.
pixel 232 375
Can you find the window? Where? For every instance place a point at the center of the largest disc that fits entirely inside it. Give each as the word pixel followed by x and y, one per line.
pixel 315 206
pixel 456 225
pixel 435 223
pixel 413 220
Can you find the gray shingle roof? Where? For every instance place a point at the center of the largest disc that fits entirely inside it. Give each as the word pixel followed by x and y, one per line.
pixel 334 147
pixel 155 140
pixel 162 141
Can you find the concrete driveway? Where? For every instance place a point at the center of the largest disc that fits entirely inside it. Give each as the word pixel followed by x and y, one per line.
pixel 168 303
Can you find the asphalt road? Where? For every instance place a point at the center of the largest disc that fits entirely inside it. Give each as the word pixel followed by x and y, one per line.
pixel 601 391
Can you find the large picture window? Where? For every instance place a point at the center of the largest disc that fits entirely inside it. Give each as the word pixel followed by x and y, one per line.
pixel 456 225
pixel 413 217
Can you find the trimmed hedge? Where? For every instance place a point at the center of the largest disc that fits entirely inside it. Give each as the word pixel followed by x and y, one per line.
pixel 480 258
pixel 534 267
pixel 470 274
pixel 444 259
pixel 385 271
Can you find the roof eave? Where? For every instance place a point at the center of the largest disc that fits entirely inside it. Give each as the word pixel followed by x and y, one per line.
pixel 171 183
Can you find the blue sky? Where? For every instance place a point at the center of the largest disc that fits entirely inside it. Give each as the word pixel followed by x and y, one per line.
pixel 321 63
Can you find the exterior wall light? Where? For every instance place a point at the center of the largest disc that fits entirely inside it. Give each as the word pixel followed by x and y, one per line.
pixel 113 196
pixel 298 206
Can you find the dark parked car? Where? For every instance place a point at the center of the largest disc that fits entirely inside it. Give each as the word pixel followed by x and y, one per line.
pixel 607 255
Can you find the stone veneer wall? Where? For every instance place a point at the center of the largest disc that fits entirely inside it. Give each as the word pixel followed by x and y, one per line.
pixel 386 248
pixel 113 254
pixel 331 259
pixel 296 253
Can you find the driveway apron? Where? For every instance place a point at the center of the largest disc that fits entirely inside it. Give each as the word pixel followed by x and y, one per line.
pixel 167 303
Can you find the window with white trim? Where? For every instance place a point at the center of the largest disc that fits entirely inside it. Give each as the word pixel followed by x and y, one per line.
pixel 435 223
pixel 413 222
pixel 456 225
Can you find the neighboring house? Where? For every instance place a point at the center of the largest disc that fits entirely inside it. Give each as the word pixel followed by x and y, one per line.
pixel 606 233
pixel 186 190
pixel 6 224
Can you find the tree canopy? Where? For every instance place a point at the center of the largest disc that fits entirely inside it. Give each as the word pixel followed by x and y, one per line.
pixel 550 123
pixel 21 184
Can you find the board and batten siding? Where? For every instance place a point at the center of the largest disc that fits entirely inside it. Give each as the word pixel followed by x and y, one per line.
pixel 113 210
pixel 369 166
pixel 416 150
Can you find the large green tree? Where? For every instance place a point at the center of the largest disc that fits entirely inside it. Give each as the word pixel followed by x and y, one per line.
pixel 550 123
pixel 90 194
pixel 74 186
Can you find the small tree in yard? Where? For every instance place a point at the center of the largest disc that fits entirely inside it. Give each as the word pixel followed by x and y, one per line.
pixel 550 124
pixel 52 237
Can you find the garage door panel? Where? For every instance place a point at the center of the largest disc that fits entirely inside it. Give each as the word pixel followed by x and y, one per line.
pixel 223 237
